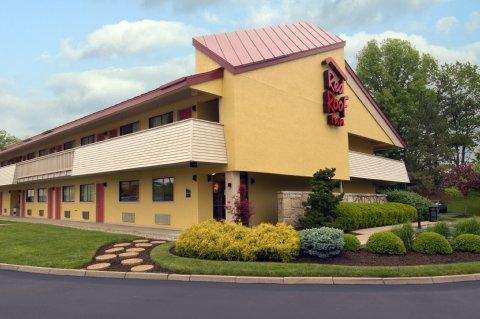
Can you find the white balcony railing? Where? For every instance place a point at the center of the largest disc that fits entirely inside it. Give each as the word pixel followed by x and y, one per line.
pixel 7 175
pixel 377 168
pixel 45 167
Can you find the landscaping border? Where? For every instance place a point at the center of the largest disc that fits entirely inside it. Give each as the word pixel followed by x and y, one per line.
pixel 245 279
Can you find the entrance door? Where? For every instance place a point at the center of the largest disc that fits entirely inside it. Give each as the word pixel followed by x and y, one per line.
pixel 23 198
pixel 100 203
pixel 185 114
pixel 50 201
pixel 218 185
pixel 58 202
pixel 15 203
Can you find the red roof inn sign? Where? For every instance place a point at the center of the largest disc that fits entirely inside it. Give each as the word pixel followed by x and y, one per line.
pixel 334 106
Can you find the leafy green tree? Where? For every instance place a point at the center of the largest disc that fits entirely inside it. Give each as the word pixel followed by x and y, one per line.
pixel 458 88
pixel 321 205
pixel 7 139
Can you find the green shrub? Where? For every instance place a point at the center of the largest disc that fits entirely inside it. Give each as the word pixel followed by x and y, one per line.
pixel 351 242
pixel 406 233
pixel 228 241
pixel 441 228
pixel 467 226
pixel 467 242
pixel 431 243
pixel 322 242
pixel 386 243
pixel 405 197
pixel 353 216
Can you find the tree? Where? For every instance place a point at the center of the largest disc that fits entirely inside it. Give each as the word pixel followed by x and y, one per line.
pixel 7 139
pixel 458 88
pixel 242 207
pixel 462 179
pixel 401 81
pixel 321 204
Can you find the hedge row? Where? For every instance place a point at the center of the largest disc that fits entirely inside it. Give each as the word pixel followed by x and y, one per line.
pixel 353 216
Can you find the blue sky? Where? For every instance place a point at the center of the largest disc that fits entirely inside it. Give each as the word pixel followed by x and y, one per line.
pixel 64 59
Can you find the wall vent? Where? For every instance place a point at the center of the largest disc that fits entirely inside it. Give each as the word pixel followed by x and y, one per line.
pixel 128 217
pixel 41 212
pixel 86 215
pixel 162 219
pixel 29 212
pixel 66 214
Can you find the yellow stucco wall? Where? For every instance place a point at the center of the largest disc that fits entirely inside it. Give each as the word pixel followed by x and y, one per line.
pixel 361 186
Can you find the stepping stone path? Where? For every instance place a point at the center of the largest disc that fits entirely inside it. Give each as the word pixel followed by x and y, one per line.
pixel 128 257
pixel 132 262
pixel 141 268
pixel 100 266
pixel 106 257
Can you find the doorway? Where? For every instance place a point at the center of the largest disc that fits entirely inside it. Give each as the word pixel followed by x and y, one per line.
pixel 100 203
pixel 15 203
pixel 218 187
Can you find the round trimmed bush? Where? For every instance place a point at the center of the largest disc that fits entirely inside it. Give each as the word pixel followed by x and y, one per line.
pixel 386 243
pixel 431 243
pixel 467 242
pixel 322 242
pixel 351 242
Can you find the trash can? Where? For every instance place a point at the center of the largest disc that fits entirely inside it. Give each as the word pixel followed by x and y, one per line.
pixel 432 213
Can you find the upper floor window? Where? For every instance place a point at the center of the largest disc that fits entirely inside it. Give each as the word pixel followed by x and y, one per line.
pixel 86 192
pixel 129 191
pixel 68 193
pixel 30 156
pixel 42 195
pixel 44 152
pixel 30 195
pixel 160 120
pixel 4 163
pixel 129 128
pixel 68 145
pixel 87 140
pixel 163 189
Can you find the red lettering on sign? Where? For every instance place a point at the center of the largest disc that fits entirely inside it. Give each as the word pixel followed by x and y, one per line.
pixel 333 84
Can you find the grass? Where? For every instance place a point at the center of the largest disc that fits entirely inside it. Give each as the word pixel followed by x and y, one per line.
pixel 456 205
pixel 51 246
pixel 162 256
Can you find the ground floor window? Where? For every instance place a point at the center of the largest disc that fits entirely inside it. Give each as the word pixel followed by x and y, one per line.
pixel 42 195
pixel 129 191
pixel 87 192
pixel 68 193
pixel 30 196
pixel 163 189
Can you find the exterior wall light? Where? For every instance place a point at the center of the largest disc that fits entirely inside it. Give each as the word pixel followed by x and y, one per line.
pixel 194 177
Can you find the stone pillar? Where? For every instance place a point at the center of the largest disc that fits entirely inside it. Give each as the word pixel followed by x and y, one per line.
pixel 232 183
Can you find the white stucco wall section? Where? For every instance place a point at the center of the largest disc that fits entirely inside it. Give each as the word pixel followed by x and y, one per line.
pixel 377 168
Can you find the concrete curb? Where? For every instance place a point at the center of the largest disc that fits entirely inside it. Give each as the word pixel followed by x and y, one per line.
pixel 244 279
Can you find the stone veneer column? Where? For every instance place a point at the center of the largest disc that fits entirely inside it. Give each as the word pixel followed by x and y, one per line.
pixel 232 183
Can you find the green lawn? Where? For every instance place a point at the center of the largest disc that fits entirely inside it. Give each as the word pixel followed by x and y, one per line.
pixel 172 263
pixel 456 205
pixel 51 246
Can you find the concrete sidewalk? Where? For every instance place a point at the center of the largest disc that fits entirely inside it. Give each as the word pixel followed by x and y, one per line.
pixel 363 234
pixel 149 232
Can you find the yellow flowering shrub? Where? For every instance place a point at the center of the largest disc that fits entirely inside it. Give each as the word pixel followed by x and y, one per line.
pixel 227 241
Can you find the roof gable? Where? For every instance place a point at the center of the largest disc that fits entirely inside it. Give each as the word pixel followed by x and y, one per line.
pixel 243 51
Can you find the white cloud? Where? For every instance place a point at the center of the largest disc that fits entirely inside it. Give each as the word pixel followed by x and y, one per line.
pixel 77 94
pixel 127 38
pixel 473 23
pixel 44 57
pixel 211 17
pixel 446 24
pixel 355 42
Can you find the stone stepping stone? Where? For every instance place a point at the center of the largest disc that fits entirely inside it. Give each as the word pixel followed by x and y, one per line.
pixel 141 241
pixel 135 250
pixel 141 268
pixel 114 250
pixel 106 257
pixel 122 245
pixel 158 242
pixel 131 254
pixel 99 266
pixel 145 245
pixel 132 262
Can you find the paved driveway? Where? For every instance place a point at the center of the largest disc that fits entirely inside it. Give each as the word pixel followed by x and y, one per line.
pixel 24 295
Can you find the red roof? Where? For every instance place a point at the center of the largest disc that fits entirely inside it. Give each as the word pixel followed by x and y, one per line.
pixel 252 49
pixel 122 106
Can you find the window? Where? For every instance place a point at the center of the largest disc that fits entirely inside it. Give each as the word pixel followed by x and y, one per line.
pixel 42 195
pixel 30 156
pixel 161 120
pixel 68 145
pixel 44 152
pixel 87 140
pixel 163 189
pixel 129 191
pixel 30 196
pixel 68 193
pixel 129 128
pixel 86 193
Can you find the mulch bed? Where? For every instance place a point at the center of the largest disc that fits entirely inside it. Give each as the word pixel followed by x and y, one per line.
pixel 365 258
